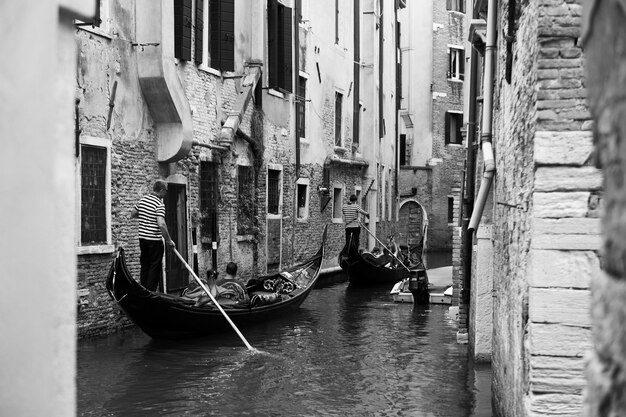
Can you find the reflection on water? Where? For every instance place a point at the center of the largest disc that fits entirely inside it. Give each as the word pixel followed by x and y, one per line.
pixel 345 352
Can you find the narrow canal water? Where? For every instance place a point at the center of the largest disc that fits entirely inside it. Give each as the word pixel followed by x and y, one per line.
pixel 345 352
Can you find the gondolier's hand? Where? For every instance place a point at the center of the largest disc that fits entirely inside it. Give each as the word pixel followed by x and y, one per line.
pixel 171 244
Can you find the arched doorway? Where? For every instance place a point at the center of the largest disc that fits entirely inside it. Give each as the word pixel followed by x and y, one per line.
pixel 412 219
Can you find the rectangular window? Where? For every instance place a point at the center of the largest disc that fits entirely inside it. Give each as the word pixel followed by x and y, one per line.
pixel 450 209
pixel 93 182
pixel 302 199
pixel 338 114
pixel 456 5
pixel 222 34
pixel 93 195
pixel 453 124
pixel 246 212
pixel 182 29
pixel 337 203
pixel 402 149
pixel 273 191
pixel 279 45
pixel 301 108
pixel 209 196
pixel 456 66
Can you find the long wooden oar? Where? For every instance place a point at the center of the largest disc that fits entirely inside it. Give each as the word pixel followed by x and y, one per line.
pixel 385 247
pixel 219 307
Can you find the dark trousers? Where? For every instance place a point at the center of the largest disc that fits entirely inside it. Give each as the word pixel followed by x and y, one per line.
pixel 151 260
pixel 355 232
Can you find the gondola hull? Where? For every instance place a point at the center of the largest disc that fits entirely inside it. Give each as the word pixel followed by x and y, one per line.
pixel 362 272
pixel 164 316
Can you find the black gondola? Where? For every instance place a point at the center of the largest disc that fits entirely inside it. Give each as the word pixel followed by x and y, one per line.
pixel 165 316
pixel 364 269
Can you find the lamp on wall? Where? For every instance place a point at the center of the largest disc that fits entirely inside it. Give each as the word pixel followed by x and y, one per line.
pixel 322 190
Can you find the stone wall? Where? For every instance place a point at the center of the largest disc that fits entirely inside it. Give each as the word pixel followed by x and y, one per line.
pixel 545 211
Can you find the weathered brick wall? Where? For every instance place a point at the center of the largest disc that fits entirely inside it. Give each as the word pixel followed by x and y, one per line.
pixel 447 95
pixel 101 62
pixel 514 110
pixel 545 215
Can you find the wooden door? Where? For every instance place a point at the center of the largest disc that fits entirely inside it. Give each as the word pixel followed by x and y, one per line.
pixel 176 273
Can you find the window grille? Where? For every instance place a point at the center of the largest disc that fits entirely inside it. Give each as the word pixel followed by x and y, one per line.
pixel 93 195
pixel 302 191
pixel 209 199
pixel 273 191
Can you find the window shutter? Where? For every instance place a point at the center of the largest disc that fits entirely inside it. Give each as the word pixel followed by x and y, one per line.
pixel 287 70
pixel 448 4
pixel 182 29
pixel 97 19
pixel 447 128
pixel 449 74
pixel 461 64
pixel 272 39
pixel 222 31
pixel 199 30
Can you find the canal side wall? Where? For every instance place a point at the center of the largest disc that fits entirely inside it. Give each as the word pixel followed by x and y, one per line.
pixel 103 60
pixel 547 198
pixel 108 55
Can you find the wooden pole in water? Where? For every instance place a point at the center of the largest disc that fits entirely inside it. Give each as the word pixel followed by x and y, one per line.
pixel 219 307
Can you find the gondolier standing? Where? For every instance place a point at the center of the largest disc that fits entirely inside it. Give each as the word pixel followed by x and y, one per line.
pixel 152 230
pixel 351 211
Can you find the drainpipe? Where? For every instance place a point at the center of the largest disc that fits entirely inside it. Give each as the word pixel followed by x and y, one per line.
pixel 486 137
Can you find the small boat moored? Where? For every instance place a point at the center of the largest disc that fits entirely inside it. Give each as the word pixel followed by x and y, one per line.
pixel 413 289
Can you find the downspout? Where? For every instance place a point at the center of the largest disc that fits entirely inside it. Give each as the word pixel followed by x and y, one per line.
pixel 486 137
pixel 252 74
pixel 469 170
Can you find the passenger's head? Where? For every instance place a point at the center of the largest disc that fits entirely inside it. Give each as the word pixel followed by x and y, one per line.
pixel 231 268
pixel 160 188
pixel 211 274
pixel 376 250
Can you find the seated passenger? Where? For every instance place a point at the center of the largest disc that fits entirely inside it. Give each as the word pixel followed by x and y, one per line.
pixel 386 259
pixel 371 257
pixel 226 291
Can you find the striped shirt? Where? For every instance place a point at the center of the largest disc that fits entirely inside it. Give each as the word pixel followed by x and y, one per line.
pixel 351 214
pixel 149 207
